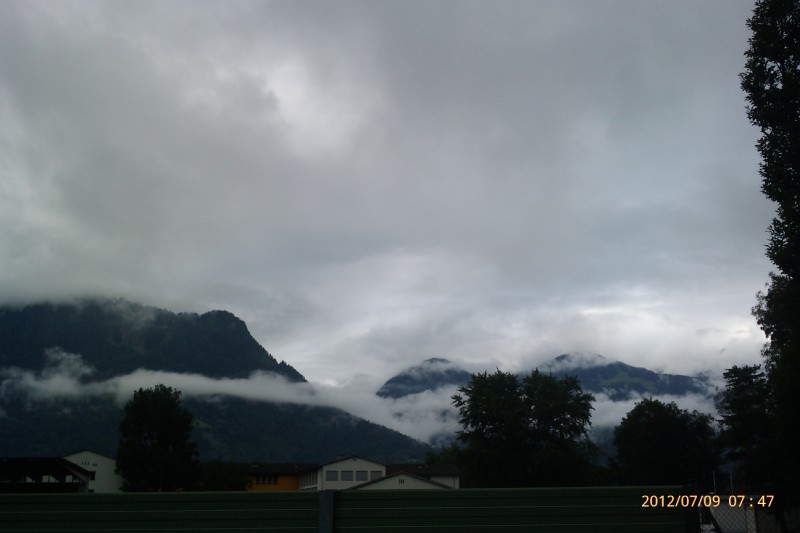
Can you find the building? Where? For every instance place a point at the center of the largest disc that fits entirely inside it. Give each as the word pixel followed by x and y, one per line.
pixel 42 474
pixel 276 476
pixel 351 472
pixel 102 469
pixel 342 473
pixel 401 481
pixel 445 474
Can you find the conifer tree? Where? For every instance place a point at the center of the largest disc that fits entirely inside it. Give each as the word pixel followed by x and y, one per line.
pixel 154 452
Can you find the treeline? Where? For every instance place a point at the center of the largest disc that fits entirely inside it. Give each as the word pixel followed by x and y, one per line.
pixel 534 431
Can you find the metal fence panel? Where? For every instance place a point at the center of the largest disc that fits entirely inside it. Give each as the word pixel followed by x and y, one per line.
pixel 552 510
pixel 229 511
pixel 590 509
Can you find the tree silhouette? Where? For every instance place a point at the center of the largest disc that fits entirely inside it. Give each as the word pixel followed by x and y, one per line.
pixel 748 424
pixel 660 444
pixel 524 432
pixel 154 452
pixel 771 81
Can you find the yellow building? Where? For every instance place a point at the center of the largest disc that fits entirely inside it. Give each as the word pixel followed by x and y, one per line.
pixel 276 476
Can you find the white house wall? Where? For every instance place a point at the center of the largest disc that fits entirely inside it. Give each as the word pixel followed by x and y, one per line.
pixel 105 477
pixel 347 473
pixel 401 482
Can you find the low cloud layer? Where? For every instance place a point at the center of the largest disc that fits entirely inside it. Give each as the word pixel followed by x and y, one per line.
pixel 428 416
pixel 67 377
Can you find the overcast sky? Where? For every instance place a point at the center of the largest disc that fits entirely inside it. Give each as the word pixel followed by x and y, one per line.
pixel 369 184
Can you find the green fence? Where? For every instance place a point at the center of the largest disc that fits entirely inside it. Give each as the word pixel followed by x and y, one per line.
pixel 198 511
pixel 553 510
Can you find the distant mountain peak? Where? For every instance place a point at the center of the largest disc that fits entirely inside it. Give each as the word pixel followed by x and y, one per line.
pixel 621 381
pixel 436 360
pixel 576 360
pixel 597 374
pixel 431 374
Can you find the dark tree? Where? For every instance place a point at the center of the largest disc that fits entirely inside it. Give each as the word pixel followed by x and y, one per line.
pixel 658 443
pixel 753 440
pixel 154 452
pixel 526 432
pixel 747 425
pixel 772 83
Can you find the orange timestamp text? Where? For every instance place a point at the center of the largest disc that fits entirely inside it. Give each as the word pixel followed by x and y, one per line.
pixel 706 500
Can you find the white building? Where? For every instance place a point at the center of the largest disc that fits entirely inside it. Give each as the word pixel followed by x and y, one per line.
pixel 446 475
pixel 343 473
pixel 401 481
pixel 102 470
pixel 357 472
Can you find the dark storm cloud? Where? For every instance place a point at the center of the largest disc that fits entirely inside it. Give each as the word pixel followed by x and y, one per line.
pixel 369 184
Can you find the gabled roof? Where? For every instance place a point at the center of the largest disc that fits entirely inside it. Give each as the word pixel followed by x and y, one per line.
pixel 424 470
pixel 26 474
pixel 398 474
pixel 255 469
pixel 40 465
pixel 354 456
pixel 90 451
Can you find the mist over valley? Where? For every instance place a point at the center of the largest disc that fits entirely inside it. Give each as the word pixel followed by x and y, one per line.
pixel 67 368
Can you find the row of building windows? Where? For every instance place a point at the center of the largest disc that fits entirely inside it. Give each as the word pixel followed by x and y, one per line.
pixel 266 480
pixel 347 475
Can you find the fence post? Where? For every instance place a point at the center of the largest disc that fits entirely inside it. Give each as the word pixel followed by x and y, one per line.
pixel 691 519
pixel 325 511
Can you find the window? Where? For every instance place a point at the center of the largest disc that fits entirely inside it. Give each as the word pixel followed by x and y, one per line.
pixel 375 474
pixel 266 480
pixel 331 475
pixel 361 475
pixel 347 475
pixel 401 481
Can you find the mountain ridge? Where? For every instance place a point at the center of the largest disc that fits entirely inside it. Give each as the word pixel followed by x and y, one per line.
pixel 118 337
pixel 60 362
pixel 596 373
pixel 621 381
pixel 430 374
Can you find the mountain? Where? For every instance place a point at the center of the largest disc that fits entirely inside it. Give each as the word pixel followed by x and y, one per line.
pixel 61 366
pixel 597 374
pixel 117 337
pixel 431 374
pixel 620 381
pixel 613 383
